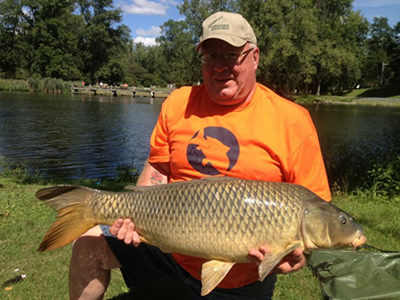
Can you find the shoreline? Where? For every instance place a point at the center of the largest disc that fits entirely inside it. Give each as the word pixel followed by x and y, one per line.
pixel 390 102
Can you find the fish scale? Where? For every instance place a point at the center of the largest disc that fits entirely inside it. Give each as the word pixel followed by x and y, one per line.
pixel 214 215
pixel 218 219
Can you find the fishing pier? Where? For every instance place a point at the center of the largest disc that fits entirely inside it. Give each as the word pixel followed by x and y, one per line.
pixel 114 91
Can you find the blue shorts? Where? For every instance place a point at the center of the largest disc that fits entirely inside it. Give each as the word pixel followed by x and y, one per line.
pixel 147 264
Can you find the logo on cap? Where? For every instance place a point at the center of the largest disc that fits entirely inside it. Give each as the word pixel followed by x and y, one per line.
pixel 220 27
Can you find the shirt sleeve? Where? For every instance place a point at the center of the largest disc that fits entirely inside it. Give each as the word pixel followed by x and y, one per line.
pixel 159 146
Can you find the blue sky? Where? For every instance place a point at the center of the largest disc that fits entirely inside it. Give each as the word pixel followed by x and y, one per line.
pixel 144 17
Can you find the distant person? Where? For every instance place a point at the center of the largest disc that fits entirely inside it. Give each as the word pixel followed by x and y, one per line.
pixel 257 135
pixel 152 93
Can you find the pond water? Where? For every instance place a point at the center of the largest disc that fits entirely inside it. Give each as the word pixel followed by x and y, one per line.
pixel 354 137
pixel 76 136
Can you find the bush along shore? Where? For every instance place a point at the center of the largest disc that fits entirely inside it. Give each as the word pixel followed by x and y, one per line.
pixel 42 85
pixel 59 86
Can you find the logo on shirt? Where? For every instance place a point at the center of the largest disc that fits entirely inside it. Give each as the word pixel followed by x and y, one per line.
pixel 211 147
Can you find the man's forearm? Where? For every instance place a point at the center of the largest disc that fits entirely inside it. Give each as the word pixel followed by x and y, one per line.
pixel 152 176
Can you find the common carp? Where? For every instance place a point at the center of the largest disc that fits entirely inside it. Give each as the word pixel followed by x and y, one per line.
pixel 219 219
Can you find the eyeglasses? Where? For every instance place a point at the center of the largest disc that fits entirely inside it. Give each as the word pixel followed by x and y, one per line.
pixel 232 58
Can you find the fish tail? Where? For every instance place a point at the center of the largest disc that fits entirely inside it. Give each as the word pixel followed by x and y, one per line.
pixel 74 216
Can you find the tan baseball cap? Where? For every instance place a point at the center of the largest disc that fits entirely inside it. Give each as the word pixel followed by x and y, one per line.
pixel 229 27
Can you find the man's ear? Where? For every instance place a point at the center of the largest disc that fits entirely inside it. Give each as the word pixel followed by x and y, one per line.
pixel 256 57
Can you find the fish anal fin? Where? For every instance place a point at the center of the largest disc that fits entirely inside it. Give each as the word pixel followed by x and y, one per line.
pixel 272 259
pixel 212 273
pixel 70 225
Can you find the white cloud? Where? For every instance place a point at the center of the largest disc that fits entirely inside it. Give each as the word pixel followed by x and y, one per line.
pixel 152 31
pixel 147 41
pixel 145 7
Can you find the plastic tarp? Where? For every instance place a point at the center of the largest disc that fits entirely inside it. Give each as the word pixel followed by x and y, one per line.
pixel 362 274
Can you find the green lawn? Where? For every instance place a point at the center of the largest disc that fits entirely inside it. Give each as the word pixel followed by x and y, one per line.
pixel 24 220
pixel 387 96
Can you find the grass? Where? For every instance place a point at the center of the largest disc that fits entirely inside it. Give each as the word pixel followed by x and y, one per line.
pixel 24 220
pixel 14 85
pixel 377 96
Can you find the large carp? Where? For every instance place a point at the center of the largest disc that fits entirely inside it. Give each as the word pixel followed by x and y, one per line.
pixel 219 219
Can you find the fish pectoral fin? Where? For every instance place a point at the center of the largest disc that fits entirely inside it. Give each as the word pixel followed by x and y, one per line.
pixel 272 259
pixel 212 273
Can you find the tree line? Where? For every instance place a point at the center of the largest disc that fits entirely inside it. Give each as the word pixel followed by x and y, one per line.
pixel 307 46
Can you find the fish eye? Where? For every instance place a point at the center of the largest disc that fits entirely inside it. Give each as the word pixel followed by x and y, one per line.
pixel 342 219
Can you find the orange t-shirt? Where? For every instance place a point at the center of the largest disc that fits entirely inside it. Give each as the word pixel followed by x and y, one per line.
pixel 268 138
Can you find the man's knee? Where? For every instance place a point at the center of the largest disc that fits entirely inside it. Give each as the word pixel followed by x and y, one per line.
pixel 92 248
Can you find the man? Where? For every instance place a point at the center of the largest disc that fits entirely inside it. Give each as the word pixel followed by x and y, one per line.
pixel 228 126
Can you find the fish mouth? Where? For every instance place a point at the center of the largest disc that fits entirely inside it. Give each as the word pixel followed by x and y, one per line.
pixel 358 241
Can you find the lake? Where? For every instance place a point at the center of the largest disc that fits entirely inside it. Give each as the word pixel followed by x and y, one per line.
pixel 86 136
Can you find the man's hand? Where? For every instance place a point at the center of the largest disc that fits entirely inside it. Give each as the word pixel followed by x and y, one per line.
pixel 290 263
pixel 125 230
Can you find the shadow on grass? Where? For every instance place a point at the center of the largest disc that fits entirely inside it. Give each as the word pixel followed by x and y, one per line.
pixel 380 93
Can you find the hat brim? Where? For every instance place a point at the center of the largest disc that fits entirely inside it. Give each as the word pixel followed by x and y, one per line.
pixel 232 40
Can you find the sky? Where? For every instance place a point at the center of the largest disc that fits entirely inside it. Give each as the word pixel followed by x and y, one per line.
pixel 144 17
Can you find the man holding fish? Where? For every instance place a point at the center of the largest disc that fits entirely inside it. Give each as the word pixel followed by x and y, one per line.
pixel 228 126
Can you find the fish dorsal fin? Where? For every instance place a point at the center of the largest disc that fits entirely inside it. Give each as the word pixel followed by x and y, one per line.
pixel 130 187
pixel 212 274
pixel 272 259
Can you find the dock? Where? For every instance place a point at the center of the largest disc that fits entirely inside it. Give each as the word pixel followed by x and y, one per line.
pixel 137 92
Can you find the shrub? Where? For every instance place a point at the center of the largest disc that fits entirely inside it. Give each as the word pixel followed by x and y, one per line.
pixel 18 173
pixel 126 174
pixel 385 176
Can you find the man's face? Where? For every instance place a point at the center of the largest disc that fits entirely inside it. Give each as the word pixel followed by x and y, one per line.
pixel 229 83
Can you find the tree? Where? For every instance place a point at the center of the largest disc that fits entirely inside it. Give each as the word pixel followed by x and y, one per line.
pixel 178 51
pixel 395 57
pixel 286 32
pixel 104 42
pixel 380 44
pixel 12 35
pixel 53 37
pixel 195 11
pixel 135 62
pixel 306 44
pixel 340 35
